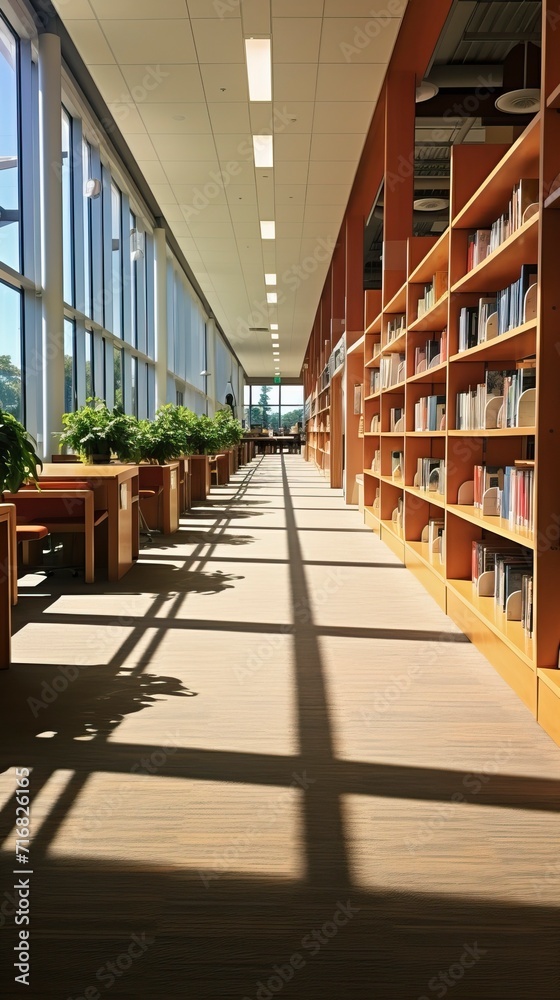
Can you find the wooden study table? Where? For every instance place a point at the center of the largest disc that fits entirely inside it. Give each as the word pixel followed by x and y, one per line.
pixel 116 491
pixel 266 444
pixel 7 557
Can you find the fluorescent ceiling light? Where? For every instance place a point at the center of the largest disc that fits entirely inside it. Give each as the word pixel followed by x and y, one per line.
pixel 268 230
pixel 272 297
pixel 274 326
pixel 274 336
pixel 270 279
pixel 259 68
pixel 262 148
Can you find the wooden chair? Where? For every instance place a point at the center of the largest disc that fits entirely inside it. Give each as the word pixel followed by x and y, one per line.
pixel 61 510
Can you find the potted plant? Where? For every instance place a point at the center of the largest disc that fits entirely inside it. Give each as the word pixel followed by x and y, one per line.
pixel 124 437
pixel 164 438
pixel 162 442
pixel 18 458
pixel 86 432
pixel 231 433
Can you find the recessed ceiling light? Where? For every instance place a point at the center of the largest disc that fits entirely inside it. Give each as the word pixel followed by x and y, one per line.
pixel 259 68
pixel 272 297
pixel 270 279
pixel 268 230
pixel 263 150
pixel 274 326
pixel 274 336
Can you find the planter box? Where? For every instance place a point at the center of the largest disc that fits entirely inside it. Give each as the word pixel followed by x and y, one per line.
pixel 161 511
pixel 232 459
pixel 200 476
pixel 185 490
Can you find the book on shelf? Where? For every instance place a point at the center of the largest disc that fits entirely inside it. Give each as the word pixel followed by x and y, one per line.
pixel 374 425
pixel 436 527
pixel 429 413
pixel 517 495
pixel 503 571
pixel 374 380
pixel 483 242
pixel 396 418
pixel 391 370
pixel 430 354
pixel 487 477
pixel 433 292
pixel 498 314
pixel 395 327
pixel 376 461
pixel 430 475
pixel 504 399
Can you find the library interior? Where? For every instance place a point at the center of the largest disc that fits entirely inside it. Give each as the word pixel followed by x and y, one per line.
pixel 280 499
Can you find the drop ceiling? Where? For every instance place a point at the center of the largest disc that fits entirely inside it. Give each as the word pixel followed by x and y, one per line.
pixel 173 74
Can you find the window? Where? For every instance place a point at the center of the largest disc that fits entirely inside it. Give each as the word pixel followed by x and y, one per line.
pixel 134 264
pixel 89 364
pixel 179 397
pixel 117 261
pixel 86 202
pixel 67 213
pixel 118 370
pixel 70 401
pixel 11 385
pixel 273 406
pixel 134 386
pixel 10 227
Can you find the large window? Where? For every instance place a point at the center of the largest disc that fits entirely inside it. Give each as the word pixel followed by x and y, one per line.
pixel 10 221
pixel 11 361
pixel 273 407
pixel 67 214
pixel 86 206
pixel 69 365
pixel 117 259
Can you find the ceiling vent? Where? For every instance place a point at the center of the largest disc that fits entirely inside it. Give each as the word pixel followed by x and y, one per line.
pixel 431 204
pixel 258 329
pixel 521 81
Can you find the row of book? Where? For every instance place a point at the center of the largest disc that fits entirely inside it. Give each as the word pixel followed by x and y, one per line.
pixel 504 571
pixel 507 492
pixel 434 534
pixel 392 370
pixel 396 418
pixel 375 425
pixel 432 353
pixel 484 241
pixel 497 314
pixel 432 292
pixel 395 327
pixel 502 400
pixel 430 475
pixel 429 413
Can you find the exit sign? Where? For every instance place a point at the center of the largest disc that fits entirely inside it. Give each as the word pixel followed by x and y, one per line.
pixel 277 380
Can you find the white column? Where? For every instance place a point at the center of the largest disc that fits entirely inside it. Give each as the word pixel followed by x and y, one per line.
pixel 160 253
pixel 50 146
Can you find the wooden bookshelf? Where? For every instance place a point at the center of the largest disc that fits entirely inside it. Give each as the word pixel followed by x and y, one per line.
pixel 481 185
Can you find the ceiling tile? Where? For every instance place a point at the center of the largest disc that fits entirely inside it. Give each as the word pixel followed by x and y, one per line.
pixel 290 213
pixel 338 39
pixel 241 212
pixel 171 212
pixel 247 230
pixel 241 194
pixel 141 147
pixel 234 147
pixel 238 171
pixel 327 147
pixel 153 171
pixel 185 147
pixel 229 118
pixel 225 82
pixel 163 193
pixel 293 194
pixel 294 81
pixel 217 9
pixel 296 40
pixel 70 9
pixel 255 17
pixel 291 172
pixel 363 8
pixel 193 200
pixel 297 8
pixel 152 41
pixel 342 116
pixel 138 9
pixel 291 146
pixel 211 230
pixel 127 117
pixel 293 116
pixel 262 120
pixel 316 215
pixel 175 118
pixel 209 215
pixel 111 84
pixel 288 230
pixel 90 42
pixel 218 41
pixel 332 172
pixel 192 172
pixel 346 83
pixel 164 84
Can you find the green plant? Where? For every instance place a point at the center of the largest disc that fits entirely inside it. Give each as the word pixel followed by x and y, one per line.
pixel 204 435
pixel 229 429
pixel 165 438
pixel 18 459
pixel 86 430
pixel 123 436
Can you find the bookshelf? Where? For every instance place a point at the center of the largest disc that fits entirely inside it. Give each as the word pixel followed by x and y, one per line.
pixel 422 323
pixel 401 512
